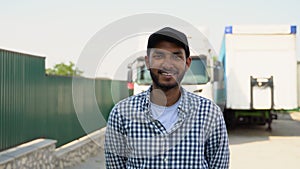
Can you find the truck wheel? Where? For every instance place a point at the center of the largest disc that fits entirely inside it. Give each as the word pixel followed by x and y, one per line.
pixel 230 119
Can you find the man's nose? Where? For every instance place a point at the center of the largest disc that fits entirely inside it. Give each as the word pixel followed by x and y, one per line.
pixel 168 64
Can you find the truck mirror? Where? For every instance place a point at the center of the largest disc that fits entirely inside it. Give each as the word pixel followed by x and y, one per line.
pixel 129 75
pixel 218 74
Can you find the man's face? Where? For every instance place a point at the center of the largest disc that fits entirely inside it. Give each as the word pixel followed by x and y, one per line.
pixel 167 64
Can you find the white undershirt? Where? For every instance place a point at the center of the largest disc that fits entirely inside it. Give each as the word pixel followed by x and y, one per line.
pixel 167 116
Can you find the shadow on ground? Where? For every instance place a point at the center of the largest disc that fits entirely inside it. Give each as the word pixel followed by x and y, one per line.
pixel 285 125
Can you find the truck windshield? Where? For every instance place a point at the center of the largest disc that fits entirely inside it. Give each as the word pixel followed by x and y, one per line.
pixel 196 74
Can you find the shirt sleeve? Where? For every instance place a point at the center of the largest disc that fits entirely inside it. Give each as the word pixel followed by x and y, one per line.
pixel 115 142
pixel 217 148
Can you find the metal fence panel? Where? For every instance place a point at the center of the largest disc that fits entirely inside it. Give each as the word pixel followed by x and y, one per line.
pixel 33 105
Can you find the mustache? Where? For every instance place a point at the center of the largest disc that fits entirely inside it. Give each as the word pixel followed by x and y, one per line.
pixel 171 71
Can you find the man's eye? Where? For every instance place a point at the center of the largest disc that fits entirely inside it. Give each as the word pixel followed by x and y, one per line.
pixel 157 56
pixel 177 57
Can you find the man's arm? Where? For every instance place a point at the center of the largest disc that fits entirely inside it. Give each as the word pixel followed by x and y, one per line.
pixel 115 142
pixel 217 148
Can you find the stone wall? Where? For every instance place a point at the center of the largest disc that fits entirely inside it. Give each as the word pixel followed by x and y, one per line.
pixel 79 150
pixel 35 154
pixel 41 153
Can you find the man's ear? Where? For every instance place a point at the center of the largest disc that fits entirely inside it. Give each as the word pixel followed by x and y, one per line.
pixel 188 63
pixel 147 62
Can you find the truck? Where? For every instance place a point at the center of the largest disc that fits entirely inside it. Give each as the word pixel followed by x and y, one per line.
pixel 202 78
pixel 260 72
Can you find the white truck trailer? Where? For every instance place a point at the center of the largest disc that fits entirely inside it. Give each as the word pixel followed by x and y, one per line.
pixel 260 67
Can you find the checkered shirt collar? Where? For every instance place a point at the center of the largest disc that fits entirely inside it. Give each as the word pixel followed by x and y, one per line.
pixel 183 106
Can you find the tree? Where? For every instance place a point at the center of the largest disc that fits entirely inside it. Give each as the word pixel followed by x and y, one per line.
pixel 63 69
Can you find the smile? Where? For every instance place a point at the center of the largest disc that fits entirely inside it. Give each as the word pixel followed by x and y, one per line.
pixel 165 73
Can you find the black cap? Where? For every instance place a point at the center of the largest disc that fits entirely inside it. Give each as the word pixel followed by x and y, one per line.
pixel 170 35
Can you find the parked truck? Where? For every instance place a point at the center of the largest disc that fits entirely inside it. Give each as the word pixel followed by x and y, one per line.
pixel 260 68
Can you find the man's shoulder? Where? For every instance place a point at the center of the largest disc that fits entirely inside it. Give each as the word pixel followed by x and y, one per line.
pixel 133 100
pixel 198 98
pixel 130 107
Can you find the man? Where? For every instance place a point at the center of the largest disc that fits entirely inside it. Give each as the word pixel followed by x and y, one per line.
pixel 166 126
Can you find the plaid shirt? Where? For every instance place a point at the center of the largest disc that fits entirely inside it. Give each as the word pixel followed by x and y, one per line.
pixel 135 140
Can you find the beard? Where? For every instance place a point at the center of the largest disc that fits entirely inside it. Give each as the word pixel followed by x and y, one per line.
pixel 165 87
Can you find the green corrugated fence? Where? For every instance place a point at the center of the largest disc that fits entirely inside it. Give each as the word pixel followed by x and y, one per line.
pixel 33 105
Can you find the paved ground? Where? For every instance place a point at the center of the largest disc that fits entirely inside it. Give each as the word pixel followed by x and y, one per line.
pixel 252 147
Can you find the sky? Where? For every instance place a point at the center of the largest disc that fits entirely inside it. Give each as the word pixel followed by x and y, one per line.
pixel 60 30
